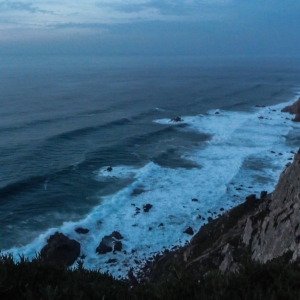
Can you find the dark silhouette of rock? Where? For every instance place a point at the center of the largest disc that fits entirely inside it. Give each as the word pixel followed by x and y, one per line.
pixel 109 169
pixel 81 230
pixel 189 231
pixel 251 197
pixel 195 200
pixel 111 261
pixel 161 224
pixel 117 235
pixel 110 242
pixel 106 245
pixel 263 194
pixel 147 207
pixel 293 109
pixel 118 246
pixel 176 119
pixel 60 249
pixel 217 113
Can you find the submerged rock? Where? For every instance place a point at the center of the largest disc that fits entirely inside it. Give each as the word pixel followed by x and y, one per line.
pixel 60 249
pixel 82 230
pixel 176 119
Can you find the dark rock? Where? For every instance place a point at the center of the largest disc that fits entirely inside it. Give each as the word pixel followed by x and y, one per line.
pixel 81 230
pixel 117 235
pixel 251 197
pixel 60 249
pixel 118 246
pixel 176 119
pixel 263 194
pixel 109 169
pixel 221 209
pixel 111 261
pixel 292 109
pixel 217 113
pixel 195 200
pixel 132 279
pixel 161 224
pixel 106 245
pixel 189 231
pixel 147 207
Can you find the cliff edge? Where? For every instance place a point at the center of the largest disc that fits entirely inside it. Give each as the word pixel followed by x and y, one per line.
pixel 261 229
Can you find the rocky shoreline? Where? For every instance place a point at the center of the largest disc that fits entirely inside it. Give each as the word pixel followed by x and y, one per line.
pixel 262 228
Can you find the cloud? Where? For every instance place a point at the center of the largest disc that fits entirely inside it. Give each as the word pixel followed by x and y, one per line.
pixel 21 6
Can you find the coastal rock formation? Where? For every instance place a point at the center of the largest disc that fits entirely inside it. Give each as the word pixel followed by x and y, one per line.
pixel 262 229
pixel 110 243
pixel 293 109
pixel 176 119
pixel 60 249
pixel 275 230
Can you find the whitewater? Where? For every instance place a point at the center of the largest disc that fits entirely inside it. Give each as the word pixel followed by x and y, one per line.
pixel 245 152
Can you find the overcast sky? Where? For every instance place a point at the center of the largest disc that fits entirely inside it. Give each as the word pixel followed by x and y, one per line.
pixel 204 27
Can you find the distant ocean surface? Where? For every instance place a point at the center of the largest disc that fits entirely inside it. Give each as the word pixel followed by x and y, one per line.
pixel 65 120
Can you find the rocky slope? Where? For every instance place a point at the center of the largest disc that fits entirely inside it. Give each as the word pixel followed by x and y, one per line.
pixel 262 229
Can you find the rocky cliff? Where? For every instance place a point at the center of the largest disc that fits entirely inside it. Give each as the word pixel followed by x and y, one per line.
pixel 262 229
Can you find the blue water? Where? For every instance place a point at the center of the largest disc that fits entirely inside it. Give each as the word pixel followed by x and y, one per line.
pixel 64 120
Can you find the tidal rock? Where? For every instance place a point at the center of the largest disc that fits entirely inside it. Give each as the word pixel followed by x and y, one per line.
pixel 189 231
pixel 176 119
pixel 117 235
pixel 195 200
pixel 60 249
pixel 110 242
pixel 263 194
pixel 81 230
pixel 118 246
pixel 106 245
pixel 109 169
pixel 147 207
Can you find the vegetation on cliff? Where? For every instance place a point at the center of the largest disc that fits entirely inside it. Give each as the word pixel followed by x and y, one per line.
pixel 276 279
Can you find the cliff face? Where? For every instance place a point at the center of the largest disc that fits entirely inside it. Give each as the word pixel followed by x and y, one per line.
pixel 261 228
pixel 278 231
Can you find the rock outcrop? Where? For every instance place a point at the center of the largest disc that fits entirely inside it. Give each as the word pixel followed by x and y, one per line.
pixel 110 243
pixel 293 109
pixel 262 229
pixel 60 249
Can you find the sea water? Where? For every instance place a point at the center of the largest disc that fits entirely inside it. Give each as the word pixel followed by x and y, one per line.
pixel 65 120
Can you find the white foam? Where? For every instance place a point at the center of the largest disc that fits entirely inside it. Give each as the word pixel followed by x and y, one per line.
pixel 116 172
pixel 235 162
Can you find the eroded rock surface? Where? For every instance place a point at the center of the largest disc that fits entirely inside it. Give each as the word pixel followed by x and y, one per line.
pixel 60 249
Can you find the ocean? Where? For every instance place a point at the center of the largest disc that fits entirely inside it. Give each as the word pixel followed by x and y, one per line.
pixel 65 120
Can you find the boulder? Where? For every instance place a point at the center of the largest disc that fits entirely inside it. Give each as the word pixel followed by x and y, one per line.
pixel 147 207
pixel 176 119
pixel 60 249
pixel 189 231
pixel 263 194
pixel 106 245
pixel 81 230
pixel 110 243
pixel 117 235
pixel 109 169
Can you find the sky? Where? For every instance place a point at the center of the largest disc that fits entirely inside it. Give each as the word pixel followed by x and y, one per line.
pixel 150 27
